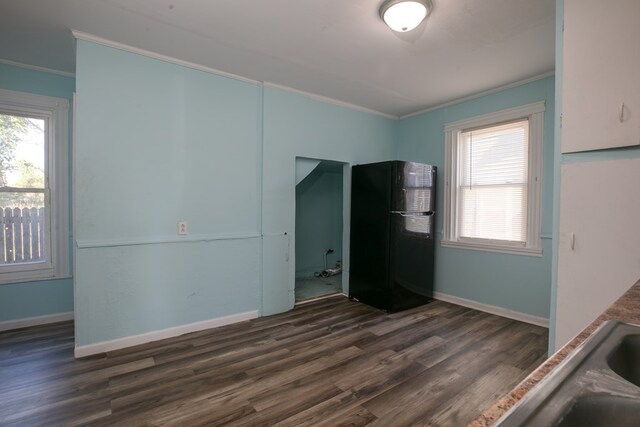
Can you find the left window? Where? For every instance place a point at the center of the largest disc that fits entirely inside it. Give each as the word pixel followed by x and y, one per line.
pixel 34 187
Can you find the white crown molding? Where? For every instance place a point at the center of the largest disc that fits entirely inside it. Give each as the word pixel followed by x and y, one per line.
pixel 496 116
pixel 26 322
pixel 328 100
pixel 481 94
pixel 492 309
pixel 124 47
pixel 130 341
pixel 121 46
pixel 80 35
pixel 37 68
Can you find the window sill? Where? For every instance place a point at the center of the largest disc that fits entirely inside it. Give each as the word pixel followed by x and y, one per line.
pixel 512 250
pixel 9 278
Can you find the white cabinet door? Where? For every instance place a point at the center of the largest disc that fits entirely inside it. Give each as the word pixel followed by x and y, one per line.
pixel 599 244
pixel 601 74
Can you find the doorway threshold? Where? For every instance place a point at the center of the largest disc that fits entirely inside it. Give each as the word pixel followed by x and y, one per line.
pixel 321 297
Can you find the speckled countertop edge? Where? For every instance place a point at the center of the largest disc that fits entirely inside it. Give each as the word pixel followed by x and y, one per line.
pixel 626 309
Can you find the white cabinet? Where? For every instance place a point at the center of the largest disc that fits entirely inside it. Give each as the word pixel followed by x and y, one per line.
pixel 601 75
pixel 599 240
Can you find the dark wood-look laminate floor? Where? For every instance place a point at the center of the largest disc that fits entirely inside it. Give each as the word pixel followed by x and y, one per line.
pixel 331 362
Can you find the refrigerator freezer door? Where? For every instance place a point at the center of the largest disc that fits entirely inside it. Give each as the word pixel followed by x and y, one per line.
pixel 413 187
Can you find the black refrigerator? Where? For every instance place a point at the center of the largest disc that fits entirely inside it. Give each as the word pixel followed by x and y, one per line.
pixel 392 241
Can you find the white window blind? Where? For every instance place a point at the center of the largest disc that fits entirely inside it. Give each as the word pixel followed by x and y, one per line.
pixel 492 183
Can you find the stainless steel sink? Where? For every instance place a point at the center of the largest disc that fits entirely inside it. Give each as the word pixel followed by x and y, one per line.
pixel 625 359
pixel 603 410
pixel 597 385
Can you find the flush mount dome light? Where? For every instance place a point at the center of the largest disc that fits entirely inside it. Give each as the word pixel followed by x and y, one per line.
pixel 404 15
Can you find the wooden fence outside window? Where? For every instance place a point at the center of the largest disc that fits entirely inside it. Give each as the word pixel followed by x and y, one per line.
pixel 22 235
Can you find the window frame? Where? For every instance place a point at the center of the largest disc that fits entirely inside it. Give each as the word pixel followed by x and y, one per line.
pixel 534 113
pixel 56 112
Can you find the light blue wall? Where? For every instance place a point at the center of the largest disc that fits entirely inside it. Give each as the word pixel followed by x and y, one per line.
pixel 319 220
pixel 297 126
pixel 157 143
pixel 515 282
pixel 27 80
pixel 556 175
pixel 33 299
pixel 23 300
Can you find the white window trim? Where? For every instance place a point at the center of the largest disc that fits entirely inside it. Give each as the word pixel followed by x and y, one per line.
pixel 535 113
pixel 56 110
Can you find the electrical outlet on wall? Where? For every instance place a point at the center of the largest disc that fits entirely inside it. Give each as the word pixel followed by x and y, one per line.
pixel 182 228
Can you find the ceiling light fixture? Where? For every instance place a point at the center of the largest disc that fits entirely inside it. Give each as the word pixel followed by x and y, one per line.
pixel 405 15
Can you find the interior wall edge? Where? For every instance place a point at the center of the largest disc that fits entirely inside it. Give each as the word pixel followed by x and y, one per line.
pixel 557 160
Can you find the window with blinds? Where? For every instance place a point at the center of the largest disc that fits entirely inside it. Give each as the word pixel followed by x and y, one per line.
pixel 492 181
pixel 492 184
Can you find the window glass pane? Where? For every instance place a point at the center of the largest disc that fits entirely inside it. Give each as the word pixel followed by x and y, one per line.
pixel 21 200
pixel 492 183
pixel 34 147
pixel 22 165
pixel 22 159
pixel 493 212
pixel 495 155
pixel 22 228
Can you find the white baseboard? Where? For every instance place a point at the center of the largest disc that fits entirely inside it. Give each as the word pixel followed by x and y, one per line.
pixel 130 341
pixel 8 325
pixel 499 311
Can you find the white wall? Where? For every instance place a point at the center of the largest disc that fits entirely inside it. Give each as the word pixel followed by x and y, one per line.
pixel 596 192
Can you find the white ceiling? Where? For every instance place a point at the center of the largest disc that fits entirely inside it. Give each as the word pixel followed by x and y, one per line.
pixel 339 49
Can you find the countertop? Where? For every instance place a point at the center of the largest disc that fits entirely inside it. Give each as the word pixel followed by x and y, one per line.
pixel 626 309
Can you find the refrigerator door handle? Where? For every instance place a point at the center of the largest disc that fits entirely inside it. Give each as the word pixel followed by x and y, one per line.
pixel 412 214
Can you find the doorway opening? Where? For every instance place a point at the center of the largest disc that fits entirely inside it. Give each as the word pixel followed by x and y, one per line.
pixel 319 228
